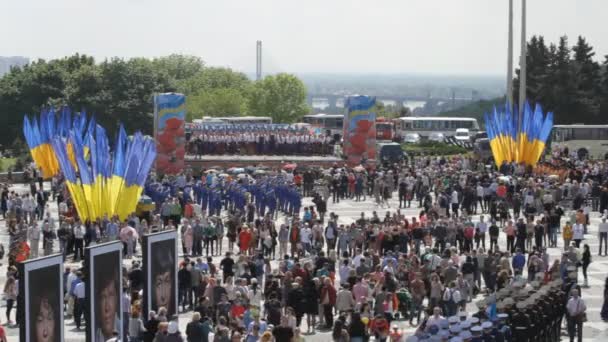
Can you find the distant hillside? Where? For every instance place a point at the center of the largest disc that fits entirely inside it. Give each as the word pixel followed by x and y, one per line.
pixel 476 109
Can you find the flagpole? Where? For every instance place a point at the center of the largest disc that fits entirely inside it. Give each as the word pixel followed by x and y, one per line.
pixel 522 63
pixel 510 57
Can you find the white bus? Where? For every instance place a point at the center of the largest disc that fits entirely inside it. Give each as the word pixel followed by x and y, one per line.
pixel 425 125
pixel 586 140
pixel 234 120
pixel 332 122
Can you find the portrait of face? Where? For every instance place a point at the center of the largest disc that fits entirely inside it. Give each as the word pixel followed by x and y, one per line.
pixel 44 316
pixel 45 322
pixel 108 308
pixel 106 292
pixel 162 276
pixel 162 289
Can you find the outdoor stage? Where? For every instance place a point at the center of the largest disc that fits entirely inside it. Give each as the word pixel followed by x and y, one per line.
pixel 226 161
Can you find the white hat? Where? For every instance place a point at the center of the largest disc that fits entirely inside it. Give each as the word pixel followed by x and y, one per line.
pixel 173 327
pixel 486 325
pixel 443 334
pixel 465 335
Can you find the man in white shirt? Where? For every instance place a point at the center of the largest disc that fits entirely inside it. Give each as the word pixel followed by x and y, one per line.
pixel 436 318
pixel 603 232
pixel 480 194
pixel 482 228
pixel 305 238
pixel 576 309
pixel 79 295
pixel 578 234
pixel 455 202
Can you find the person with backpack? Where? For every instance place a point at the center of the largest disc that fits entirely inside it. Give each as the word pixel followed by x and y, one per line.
pixel 451 299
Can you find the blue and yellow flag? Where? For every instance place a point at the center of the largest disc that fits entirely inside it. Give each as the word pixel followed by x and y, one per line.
pixel 512 141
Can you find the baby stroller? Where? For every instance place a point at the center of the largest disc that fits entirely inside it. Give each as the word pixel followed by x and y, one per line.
pixel 405 302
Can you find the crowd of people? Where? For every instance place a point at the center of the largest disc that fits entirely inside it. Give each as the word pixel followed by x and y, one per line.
pixel 441 270
pixel 257 140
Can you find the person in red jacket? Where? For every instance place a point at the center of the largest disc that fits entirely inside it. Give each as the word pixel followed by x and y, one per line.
pixel 244 239
pixel 380 327
pixel 328 300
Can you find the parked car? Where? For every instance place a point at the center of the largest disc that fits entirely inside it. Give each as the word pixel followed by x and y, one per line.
pixel 437 137
pixel 411 138
pixel 462 134
pixel 390 153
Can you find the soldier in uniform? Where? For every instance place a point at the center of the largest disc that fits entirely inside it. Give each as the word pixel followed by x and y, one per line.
pixel 521 323
pixel 476 331
pixel 487 334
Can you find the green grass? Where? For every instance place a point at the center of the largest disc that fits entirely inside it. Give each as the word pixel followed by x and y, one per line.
pixel 5 163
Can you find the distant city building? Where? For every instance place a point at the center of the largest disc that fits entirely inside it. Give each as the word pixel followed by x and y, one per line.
pixel 7 62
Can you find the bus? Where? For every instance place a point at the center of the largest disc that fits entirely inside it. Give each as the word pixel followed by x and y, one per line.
pixel 385 129
pixel 425 125
pixel 234 120
pixel 334 123
pixel 588 141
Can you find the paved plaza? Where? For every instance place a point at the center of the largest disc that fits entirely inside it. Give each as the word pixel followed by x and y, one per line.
pixel 594 330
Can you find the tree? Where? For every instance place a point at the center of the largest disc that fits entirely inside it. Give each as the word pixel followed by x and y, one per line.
pixel 177 68
pixel 405 111
pixel 216 102
pixel 283 97
pixel 604 90
pixel 588 79
pixel 537 61
pixel 214 78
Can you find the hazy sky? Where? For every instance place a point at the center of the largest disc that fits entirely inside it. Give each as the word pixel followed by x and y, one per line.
pixel 384 36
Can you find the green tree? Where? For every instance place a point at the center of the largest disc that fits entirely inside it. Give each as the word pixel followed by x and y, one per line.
pixel 537 61
pixel 127 95
pixel 604 90
pixel 178 68
pixel 588 80
pixel 282 97
pixel 214 78
pixel 216 102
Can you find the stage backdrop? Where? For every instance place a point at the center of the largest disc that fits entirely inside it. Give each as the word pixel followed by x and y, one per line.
pixel 169 122
pixel 103 295
pixel 41 294
pixel 160 272
pixel 360 129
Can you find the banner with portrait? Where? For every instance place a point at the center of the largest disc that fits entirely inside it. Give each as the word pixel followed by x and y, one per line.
pixel 360 130
pixel 169 132
pixel 160 269
pixel 41 296
pixel 103 293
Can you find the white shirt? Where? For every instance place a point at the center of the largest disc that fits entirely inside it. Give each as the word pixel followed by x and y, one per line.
pixel 483 227
pixel 603 227
pixel 455 197
pixel 305 235
pixel 357 260
pixel 434 321
pixel 576 306
pixel 79 290
pixel 578 232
